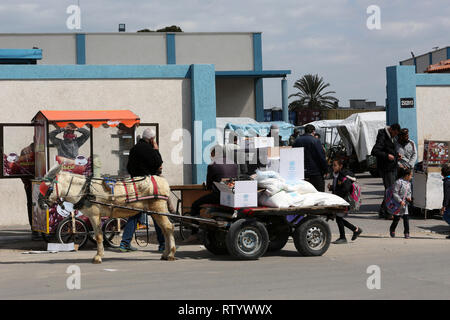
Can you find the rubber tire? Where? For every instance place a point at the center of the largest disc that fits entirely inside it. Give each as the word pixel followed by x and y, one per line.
pixel 215 243
pixel 300 237
pixel 108 240
pixel 233 236
pixel 279 233
pixel 78 222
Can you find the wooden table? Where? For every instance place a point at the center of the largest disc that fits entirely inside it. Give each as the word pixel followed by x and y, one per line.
pixel 189 193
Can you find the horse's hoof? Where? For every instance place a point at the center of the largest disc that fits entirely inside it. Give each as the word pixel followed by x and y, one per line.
pixel 97 260
pixel 171 259
pixel 164 258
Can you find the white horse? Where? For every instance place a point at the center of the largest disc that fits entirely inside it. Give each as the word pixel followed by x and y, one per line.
pixel 64 186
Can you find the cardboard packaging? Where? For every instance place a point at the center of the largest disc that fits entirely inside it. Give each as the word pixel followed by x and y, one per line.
pixel 435 154
pixel 257 143
pixel 292 166
pixel 244 194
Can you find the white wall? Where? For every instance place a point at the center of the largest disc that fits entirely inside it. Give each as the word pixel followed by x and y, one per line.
pixel 126 48
pixel 56 48
pixel 225 51
pixel 235 97
pixel 433 114
pixel 164 101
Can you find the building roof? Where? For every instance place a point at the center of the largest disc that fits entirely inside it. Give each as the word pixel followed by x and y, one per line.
pixel 443 66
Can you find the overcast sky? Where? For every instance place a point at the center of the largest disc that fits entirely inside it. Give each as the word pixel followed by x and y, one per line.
pixel 327 37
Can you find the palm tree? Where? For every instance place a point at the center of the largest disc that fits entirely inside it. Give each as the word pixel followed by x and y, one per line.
pixel 311 95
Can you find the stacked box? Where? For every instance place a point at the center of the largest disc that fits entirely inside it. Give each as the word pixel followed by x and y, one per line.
pixel 435 154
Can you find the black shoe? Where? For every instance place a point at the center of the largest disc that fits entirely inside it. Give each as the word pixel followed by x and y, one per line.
pixel 36 236
pixel 356 234
pixel 340 241
pixel 447 237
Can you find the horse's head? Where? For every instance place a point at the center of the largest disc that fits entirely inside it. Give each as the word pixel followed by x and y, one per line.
pixel 47 196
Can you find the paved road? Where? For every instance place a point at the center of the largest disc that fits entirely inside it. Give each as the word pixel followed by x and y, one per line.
pixel 410 269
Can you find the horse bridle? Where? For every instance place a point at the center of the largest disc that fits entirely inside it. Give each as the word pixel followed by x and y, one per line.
pixel 54 186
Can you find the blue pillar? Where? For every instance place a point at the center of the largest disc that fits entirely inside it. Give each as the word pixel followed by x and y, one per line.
pixel 258 66
pixel 80 44
pixel 401 83
pixel 170 48
pixel 284 100
pixel 203 105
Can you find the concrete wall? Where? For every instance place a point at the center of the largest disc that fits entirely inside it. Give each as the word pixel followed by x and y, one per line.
pixel 225 51
pixel 56 48
pixel 433 114
pixel 136 48
pixel 422 63
pixel 235 97
pixel 409 62
pixel 439 55
pixel 164 101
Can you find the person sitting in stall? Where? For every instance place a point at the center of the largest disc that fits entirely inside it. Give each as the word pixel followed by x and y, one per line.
pixel 220 168
pixel 70 144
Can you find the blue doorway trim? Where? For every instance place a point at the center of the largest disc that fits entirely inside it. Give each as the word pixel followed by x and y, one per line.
pixel 81 48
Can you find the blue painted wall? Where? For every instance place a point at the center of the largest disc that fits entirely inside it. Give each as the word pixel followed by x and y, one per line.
pixel 259 86
pixel 80 44
pixel 170 48
pixel 402 82
pixel 203 105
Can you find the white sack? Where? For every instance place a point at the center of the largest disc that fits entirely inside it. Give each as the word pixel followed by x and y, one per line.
pixel 279 200
pixel 323 199
pixel 301 187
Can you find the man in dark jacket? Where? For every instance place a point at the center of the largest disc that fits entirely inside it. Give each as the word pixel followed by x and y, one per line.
pixel 387 157
pixel 315 163
pixel 445 212
pixel 144 160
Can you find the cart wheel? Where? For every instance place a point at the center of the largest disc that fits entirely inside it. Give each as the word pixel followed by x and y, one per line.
pixel 214 242
pixel 111 234
pixel 279 232
pixel 185 230
pixel 312 237
pixel 64 233
pixel 247 240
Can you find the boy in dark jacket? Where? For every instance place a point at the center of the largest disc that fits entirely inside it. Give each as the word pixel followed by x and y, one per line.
pixel 445 171
pixel 342 187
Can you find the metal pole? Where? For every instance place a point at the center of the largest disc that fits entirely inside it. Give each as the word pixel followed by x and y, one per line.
pixel 284 100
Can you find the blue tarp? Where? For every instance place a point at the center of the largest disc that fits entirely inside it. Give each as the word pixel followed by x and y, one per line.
pixel 262 129
pixel 34 54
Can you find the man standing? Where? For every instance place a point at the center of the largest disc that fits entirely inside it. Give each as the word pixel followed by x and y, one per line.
pixel 144 160
pixel 406 150
pixel 315 163
pixel 69 145
pixel 387 157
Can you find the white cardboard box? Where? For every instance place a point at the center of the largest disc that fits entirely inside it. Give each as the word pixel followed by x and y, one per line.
pixel 292 165
pixel 257 143
pixel 245 194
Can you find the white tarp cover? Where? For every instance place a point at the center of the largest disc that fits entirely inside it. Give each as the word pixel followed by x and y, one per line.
pixel 362 129
pixel 327 130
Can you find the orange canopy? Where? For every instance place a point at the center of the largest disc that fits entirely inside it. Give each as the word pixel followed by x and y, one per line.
pixel 96 118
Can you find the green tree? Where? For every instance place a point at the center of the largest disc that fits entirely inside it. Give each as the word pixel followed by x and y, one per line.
pixel 165 29
pixel 311 94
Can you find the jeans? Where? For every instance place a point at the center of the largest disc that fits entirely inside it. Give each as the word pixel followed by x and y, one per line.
pixel 129 229
pixel 405 223
pixel 446 216
pixel 341 222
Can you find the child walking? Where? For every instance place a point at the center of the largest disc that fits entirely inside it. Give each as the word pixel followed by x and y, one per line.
pixel 342 187
pixel 402 194
pixel 445 171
